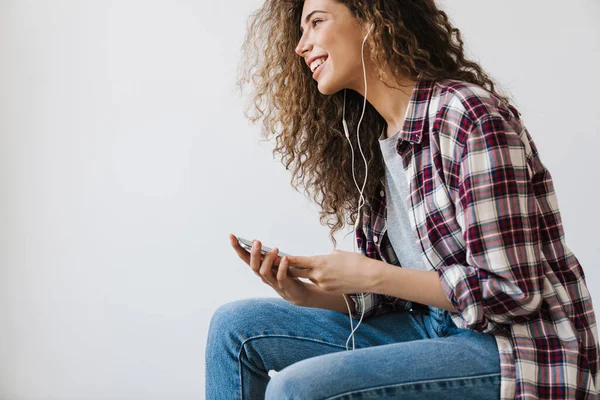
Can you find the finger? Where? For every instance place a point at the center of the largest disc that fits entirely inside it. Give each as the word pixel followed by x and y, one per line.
pixel 300 261
pixel 298 272
pixel 273 268
pixel 241 252
pixel 255 257
pixel 267 264
pixel 262 256
pixel 282 274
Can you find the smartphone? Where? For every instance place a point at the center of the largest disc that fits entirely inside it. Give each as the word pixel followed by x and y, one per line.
pixel 247 244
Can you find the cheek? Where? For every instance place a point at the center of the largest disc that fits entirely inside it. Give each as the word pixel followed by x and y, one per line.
pixel 345 58
pixel 340 67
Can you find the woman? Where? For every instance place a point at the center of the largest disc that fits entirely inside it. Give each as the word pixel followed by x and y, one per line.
pixel 489 303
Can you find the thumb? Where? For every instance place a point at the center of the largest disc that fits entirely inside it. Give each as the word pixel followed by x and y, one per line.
pixel 299 261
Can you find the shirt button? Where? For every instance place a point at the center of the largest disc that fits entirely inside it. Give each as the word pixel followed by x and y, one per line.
pixel 382 193
pixel 375 238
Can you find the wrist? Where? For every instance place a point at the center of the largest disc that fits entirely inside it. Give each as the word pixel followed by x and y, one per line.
pixel 376 275
pixel 309 299
pixel 313 297
pixel 319 298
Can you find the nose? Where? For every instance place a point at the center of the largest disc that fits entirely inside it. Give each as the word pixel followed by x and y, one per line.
pixel 302 47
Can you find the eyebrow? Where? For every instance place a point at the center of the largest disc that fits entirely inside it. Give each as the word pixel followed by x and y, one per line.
pixel 309 15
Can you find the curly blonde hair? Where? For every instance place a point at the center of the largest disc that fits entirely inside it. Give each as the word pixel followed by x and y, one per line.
pixel 414 39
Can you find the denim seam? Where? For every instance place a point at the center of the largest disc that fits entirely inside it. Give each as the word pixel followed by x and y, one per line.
pixel 414 383
pixel 418 326
pixel 262 336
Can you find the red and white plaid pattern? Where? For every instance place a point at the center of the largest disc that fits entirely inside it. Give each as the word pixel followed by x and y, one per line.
pixel 485 209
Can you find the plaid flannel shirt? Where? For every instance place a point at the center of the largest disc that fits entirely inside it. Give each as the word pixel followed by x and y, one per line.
pixel 487 216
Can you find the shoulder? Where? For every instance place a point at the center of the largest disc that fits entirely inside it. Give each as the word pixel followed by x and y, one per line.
pixel 463 112
pixel 469 101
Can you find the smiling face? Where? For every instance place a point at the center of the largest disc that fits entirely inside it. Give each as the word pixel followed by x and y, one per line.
pixel 332 31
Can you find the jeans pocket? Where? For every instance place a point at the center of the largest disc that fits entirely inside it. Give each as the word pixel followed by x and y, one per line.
pixel 418 319
pixel 446 325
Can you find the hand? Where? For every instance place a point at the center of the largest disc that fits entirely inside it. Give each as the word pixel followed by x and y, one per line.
pixel 287 286
pixel 339 271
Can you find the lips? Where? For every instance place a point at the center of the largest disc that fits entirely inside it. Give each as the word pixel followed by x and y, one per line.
pixel 314 58
pixel 318 70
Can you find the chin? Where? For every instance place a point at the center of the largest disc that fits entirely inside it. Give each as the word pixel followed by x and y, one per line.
pixel 327 89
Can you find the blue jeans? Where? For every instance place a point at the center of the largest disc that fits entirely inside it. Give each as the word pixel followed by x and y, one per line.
pixel 419 354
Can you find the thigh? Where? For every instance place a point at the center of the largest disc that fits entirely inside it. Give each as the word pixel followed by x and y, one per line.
pixel 280 333
pixel 465 365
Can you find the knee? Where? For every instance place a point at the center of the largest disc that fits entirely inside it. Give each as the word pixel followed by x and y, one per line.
pixel 226 328
pixel 237 316
pixel 227 316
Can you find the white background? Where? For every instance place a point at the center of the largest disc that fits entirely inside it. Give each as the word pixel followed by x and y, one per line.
pixel 125 161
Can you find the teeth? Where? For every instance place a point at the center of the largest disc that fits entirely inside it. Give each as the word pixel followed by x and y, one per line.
pixel 316 63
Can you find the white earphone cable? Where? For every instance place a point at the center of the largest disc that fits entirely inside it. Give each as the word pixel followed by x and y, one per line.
pixel 361 200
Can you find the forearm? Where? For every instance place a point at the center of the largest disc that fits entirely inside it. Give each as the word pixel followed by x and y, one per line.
pixel 329 300
pixel 415 285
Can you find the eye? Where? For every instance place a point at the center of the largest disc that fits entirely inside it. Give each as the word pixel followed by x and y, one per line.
pixel 314 23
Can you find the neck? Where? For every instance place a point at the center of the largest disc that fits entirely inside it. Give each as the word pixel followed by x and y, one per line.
pixel 389 99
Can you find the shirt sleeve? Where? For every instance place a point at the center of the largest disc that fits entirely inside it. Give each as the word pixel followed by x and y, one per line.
pixel 376 304
pixel 497 210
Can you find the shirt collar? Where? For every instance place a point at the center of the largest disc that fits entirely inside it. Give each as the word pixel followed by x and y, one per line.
pixel 416 113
